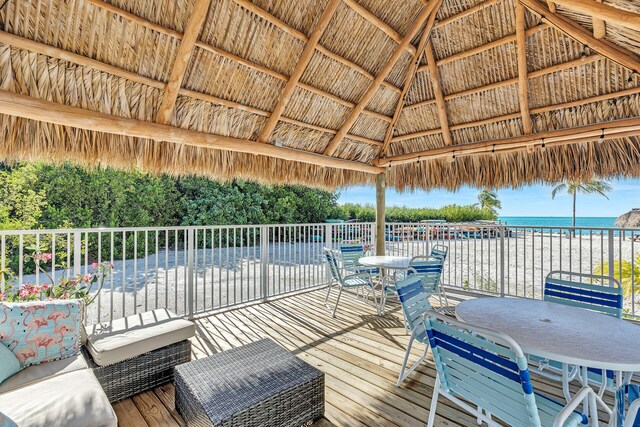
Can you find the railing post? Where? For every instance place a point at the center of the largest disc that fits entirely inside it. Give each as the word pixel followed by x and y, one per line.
pixel 610 243
pixel 264 261
pixel 501 231
pixel 77 253
pixel 190 271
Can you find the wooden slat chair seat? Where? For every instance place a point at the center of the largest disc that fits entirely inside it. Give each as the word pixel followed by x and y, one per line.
pixel 589 292
pixel 350 281
pixel 485 372
pixel 415 303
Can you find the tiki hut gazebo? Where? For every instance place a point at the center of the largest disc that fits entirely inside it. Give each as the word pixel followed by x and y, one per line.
pixel 409 94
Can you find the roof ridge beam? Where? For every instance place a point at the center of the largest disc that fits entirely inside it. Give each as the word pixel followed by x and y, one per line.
pixel 615 53
pixel 420 20
pixel 437 90
pixel 411 73
pixel 299 69
pixel 63 55
pixel 592 132
pixel 523 80
pixel 247 63
pixel 252 7
pixel 31 108
pixel 183 57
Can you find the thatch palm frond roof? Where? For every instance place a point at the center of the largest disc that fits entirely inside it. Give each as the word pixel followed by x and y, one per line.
pixel 326 92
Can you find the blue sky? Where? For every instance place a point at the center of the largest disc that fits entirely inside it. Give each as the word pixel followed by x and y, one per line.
pixel 533 200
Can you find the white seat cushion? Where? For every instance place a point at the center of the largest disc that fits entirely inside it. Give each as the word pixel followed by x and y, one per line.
pixel 132 336
pixel 43 371
pixel 67 400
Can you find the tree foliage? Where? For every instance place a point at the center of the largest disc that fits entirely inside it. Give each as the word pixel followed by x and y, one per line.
pixel 450 213
pixel 488 202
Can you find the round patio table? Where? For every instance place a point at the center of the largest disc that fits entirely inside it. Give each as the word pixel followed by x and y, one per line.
pixel 386 262
pixel 559 332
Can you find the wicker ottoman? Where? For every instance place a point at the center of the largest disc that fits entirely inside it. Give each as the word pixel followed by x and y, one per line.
pixel 259 384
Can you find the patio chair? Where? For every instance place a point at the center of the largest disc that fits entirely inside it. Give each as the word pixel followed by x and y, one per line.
pixel 583 291
pixel 440 250
pixel 351 255
pixel 351 281
pixel 415 302
pixel 627 407
pixel 485 373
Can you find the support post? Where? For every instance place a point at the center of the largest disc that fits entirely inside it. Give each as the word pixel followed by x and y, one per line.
pixel 190 272
pixel 264 262
pixel 381 186
pixel 610 255
pixel 77 253
pixel 501 230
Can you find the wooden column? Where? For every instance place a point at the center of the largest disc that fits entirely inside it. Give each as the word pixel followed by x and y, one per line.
pixel 381 186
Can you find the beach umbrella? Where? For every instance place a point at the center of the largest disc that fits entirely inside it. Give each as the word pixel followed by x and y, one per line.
pixel 629 219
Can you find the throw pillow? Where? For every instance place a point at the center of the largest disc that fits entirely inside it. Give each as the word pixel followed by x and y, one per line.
pixel 41 331
pixel 9 364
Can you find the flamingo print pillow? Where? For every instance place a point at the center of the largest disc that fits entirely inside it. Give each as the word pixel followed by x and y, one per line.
pixel 41 331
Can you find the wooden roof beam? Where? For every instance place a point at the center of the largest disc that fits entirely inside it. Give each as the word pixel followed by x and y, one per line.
pixel 523 81
pixel 615 53
pixel 175 34
pixel 299 69
pixel 465 13
pixel 373 87
pixel 533 74
pixel 512 116
pixel 257 10
pixel 379 23
pixel 50 112
pixel 566 136
pixel 422 44
pixel 183 56
pixel 441 104
pixel 604 12
pixel 74 58
pixel 599 27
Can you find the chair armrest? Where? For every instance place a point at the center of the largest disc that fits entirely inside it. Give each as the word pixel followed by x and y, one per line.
pixel 561 418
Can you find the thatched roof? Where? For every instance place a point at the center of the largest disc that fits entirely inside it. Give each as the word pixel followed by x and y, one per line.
pixel 629 219
pixel 326 92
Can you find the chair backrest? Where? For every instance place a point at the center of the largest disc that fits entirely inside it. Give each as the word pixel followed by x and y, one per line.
pixel 627 410
pixel 333 264
pixel 429 269
pixel 484 367
pixel 351 254
pixel 414 300
pixel 585 291
pixel 440 250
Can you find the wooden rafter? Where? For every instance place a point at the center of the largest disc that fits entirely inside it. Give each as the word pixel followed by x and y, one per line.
pixel 512 116
pixel 441 104
pixel 613 129
pixel 74 58
pixel 299 69
pixel 411 73
pixel 599 10
pixel 247 63
pixel 465 13
pixel 566 25
pixel 258 11
pixel 523 80
pixel 50 112
pixel 187 45
pixel 373 87
pixel 599 27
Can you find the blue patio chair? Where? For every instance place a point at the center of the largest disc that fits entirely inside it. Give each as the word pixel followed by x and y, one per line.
pixel 415 303
pixel 627 407
pixel 485 373
pixel 586 291
pixel 351 281
pixel 440 250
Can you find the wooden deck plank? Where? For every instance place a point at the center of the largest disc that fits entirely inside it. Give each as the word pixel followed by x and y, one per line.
pixel 359 352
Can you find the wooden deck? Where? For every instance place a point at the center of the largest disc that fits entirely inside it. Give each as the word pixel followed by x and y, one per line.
pixel 360 353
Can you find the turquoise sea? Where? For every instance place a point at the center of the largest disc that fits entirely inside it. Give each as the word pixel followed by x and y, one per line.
pixel 559 221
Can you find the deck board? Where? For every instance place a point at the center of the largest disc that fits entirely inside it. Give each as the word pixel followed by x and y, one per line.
pixel 359 352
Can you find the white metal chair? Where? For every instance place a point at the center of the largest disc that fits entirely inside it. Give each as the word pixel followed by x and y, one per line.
pixel 627 407
pixel 485 372
pixel 351 281
pixel 415 302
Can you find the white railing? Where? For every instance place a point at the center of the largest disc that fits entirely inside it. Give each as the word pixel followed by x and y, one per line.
pixel 194 270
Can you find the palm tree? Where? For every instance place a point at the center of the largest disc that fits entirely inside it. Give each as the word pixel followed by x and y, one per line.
pixel 488 201
pixel 573 187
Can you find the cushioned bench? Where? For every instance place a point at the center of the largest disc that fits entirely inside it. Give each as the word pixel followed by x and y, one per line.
pixel 136 353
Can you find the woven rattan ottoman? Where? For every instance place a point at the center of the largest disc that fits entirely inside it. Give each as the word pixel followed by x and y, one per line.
pixel 259 384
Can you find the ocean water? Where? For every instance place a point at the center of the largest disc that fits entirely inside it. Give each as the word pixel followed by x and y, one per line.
pixel 559 221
